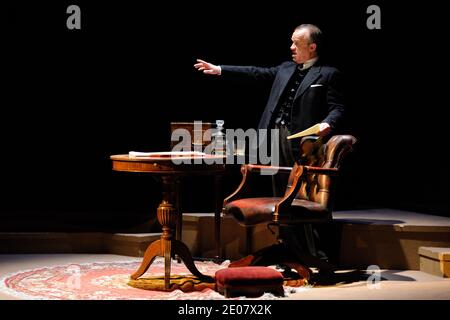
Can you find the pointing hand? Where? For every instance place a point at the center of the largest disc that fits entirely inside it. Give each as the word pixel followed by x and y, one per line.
pixel 207 68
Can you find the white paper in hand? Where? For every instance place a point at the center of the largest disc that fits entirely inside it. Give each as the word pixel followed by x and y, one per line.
pixel 315 129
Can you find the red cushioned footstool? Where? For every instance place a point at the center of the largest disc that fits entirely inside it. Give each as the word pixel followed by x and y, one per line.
pixel 249 281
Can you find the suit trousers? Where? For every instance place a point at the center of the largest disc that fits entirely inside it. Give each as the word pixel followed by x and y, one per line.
pixel 303 237
pixel 286 159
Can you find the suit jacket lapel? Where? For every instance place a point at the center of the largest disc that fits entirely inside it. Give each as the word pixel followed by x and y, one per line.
pixel 310 77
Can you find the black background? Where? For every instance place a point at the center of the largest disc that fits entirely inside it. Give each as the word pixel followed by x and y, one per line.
pixel 71 98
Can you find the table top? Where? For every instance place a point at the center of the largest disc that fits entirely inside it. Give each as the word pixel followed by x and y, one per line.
pixel 203 164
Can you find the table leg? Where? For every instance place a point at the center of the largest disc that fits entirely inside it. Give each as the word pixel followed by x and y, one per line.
pixel 153 250
pixel 168 219
pixel 217 213
pixel 167 250
pixel 166 246
pixel 179 227
pixel 183 252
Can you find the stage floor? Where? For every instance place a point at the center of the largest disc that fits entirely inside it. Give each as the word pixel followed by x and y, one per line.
pixel 407 220
pixel 395 285
pixel 384 237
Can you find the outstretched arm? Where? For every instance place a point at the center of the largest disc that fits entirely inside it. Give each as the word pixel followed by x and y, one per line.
pixel 256 73
pixel 208 68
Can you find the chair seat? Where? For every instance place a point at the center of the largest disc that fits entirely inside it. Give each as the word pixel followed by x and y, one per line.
pixel 252 211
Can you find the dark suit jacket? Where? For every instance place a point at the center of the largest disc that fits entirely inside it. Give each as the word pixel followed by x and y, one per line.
pixel 318 99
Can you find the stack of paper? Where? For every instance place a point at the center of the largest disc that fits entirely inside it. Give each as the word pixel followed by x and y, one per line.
pixel 315 129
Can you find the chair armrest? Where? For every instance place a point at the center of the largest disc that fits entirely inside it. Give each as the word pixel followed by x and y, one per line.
pixel 320 170
pixel 300 173
pixel 285 203
pixel 246 170
pixel 259 168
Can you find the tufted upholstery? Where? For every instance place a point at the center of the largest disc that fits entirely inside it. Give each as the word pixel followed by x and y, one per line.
pixel 308 192
pixel 307 199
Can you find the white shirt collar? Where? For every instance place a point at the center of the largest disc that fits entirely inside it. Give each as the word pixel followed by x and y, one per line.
pixel 308 64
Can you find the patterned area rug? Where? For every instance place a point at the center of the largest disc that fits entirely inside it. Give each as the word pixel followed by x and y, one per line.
pixel 111 281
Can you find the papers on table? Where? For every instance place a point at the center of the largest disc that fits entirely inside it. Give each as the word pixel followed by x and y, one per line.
pixel 168 154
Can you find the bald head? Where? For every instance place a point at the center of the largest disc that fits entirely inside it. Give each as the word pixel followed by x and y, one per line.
pixel 312 33
pixel 305 42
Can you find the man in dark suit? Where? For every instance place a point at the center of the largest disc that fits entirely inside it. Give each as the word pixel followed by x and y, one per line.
pixel 304 92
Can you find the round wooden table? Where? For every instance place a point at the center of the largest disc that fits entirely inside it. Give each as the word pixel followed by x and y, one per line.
pixel 169 170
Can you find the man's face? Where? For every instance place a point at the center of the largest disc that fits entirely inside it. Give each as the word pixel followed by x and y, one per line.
pixel 301 49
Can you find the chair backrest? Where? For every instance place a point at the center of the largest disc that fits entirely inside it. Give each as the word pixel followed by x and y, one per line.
pixel 317 153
